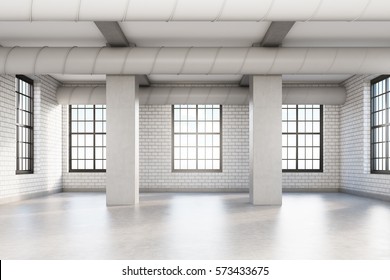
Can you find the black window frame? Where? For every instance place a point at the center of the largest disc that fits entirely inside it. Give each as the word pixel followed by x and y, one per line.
pixel 23 126
pixel 94 133
pixel 385 126
pixel 297 133
pixel 173 133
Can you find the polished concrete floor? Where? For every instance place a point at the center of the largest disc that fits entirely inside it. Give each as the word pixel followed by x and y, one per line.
pixel 196 226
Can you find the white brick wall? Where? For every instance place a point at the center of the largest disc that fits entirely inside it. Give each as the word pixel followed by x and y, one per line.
pixel 355 142
pixel 155 152
pixel 47 175
pixel 155 156
pixel 329 179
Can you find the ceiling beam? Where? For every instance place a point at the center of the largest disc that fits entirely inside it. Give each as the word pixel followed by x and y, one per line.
pixel 115 38
pixel 273 38
pixel 113 34
pixel 275 34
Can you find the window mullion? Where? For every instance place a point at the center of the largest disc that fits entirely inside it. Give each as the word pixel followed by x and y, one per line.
pixel 94 136
pixel 296 139
pixel 196 140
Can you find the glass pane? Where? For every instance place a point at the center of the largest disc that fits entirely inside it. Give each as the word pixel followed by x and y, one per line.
pixel 89 140
pixel 191 127
pixel 201 153
pixel 192 153
pixel 284 140
pixel 209 153
pixel 183 153
pixel 176 114
pixel 201 127
pixel 192 164
pixel 292 113
pixel 284 127
pixel 209 127
pixel 291 164
pixel 192 140
pixel 176 127
pixel 291 127
pixel 216 140
pixel 201 140
pixel 216 153
pixel 209 140
pixel 216 126
pixel 192 114
pixel 216 113
pixel 292 140
pixel 209 115
pixel 291 153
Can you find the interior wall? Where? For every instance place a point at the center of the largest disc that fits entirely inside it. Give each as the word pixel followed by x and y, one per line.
pixel 155 156
pixel 155 152
pixel 47 176
pixel 356 177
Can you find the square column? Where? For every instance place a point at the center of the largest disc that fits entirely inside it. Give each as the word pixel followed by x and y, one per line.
pixel 122 140
pixel 265 140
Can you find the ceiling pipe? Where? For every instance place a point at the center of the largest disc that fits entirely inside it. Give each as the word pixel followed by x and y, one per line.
pixel 78 95
pixel 209 61
pixel 200 10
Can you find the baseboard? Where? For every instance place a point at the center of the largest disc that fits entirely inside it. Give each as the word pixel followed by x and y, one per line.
pixel 194 190
pixel 21 197
pixel 84 190
pixel 311 190
pixel 366 194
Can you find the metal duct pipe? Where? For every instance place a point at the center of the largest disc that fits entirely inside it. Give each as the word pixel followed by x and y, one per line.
pixel 141 61
pixel 200 10
pixel 202 95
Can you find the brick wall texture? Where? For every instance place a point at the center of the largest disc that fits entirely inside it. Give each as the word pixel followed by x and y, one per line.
pixel 47 175
pixel 355 142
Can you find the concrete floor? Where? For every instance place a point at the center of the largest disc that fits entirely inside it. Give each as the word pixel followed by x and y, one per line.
pixel 196 226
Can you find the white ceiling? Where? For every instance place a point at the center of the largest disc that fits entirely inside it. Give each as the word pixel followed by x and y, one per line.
pixel 194 34
pixel 198 34
pixel 51 34
pixel 338 34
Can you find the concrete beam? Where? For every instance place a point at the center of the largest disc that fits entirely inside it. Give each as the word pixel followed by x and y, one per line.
pixel 113 34
pixel 275 34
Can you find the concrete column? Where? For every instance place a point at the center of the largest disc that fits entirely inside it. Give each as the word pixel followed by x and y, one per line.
pixel 265 140
pixel 122 140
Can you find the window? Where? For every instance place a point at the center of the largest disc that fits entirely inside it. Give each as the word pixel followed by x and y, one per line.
pixel 24 125
pixel 380 125
pixel 87 138
pixel 197 137
pixel 302 138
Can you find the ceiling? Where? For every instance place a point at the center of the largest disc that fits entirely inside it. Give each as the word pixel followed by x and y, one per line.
pixel 197 34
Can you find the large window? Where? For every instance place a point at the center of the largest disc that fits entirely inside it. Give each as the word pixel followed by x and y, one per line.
pixel 380 125
pixel 197 137
pixel 302 138
pixel 87 138
pixel 24 125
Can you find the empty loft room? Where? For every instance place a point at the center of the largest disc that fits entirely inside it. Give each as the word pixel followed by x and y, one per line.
pixel 177 129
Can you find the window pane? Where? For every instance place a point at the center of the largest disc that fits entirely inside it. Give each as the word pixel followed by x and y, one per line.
pixel 198 135
pixel 380 124
pixel 88 134
pixel 24 125
pixel 307 132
